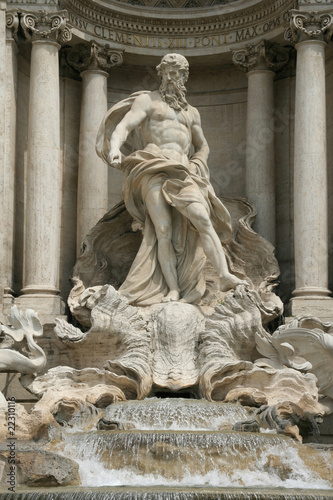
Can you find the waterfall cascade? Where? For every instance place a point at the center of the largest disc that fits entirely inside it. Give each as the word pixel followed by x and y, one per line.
pixel 183 449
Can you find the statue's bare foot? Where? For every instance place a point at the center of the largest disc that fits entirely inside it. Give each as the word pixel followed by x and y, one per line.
pixel 230 282
pixel 173 296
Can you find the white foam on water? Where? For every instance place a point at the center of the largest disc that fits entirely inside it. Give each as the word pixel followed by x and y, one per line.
pixel 177 431
pixel 287 470
pixel 93 475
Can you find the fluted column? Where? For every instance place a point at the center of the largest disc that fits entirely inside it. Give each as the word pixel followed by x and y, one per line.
pixel 260 63
pixel 44 173
pixel 9 26
pixel 93 61
pixel 310 32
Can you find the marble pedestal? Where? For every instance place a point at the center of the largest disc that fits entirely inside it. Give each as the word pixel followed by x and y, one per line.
pixel 47 307
pixel 320 307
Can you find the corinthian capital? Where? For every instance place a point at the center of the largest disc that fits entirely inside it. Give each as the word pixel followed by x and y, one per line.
pixel 264 55
pixel 12 23
pixel 90 56
pixel 44 25
pixel 309 26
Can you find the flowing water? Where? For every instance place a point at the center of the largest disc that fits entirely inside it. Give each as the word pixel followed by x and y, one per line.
pixel 177 414
pixel 180 443
pixel 166 494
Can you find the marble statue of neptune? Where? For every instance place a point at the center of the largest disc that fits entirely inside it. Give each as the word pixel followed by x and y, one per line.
pixel 157 140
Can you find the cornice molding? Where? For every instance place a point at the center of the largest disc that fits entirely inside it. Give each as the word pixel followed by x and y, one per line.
pixel 177 21
pixel 195 32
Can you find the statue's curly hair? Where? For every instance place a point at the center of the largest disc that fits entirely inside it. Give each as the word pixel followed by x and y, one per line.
pixel 174 60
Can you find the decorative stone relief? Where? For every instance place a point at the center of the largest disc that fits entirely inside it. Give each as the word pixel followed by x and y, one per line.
pixel 133 352
pixel 209 22
pixel 92 56
pixel 178 4
pixel 23 328
pixel 296 421
pixel 12 23
pixel 45 25
pixel 300 348
pixel 111 246
pixel 214 29
pixel 264 55
pixel 309 26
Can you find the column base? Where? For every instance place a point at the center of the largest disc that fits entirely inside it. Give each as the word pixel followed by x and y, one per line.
pixel 40 290
pixel 48 307
pixel 315 292
pixel 6 302
pixel 320 307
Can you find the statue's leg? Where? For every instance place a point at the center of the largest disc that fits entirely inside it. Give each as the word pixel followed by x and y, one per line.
pixel 161 216
pixel 212 246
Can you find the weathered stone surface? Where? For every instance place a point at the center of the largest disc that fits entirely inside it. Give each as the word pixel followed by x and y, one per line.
pixel 247 426
pixel 67 390
pixel 169 346
pixel 174 346
pixel 289 419
pixel 294 420
pixel 43 468
pixel 39 424
pixel 246 397
pixel 177 329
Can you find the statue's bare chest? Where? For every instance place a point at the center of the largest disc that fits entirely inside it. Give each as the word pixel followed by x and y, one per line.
pixel 163 113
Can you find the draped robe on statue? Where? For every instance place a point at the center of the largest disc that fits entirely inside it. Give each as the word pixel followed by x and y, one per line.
pixel 181 186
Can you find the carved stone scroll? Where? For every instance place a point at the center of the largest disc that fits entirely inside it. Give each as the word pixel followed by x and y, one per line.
pixel 45 25
pixel 263 55
pixel 12 23
pixel 309 26
pixel 91 56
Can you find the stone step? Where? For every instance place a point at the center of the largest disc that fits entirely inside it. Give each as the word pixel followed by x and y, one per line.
pixel 128 493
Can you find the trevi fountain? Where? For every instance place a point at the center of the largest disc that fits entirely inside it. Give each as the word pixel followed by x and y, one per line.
pixel 177 370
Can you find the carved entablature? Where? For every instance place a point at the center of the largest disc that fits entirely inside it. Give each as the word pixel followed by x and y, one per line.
pixel 92 56
pixel 152 30
pixel 262 56
pixel 44 25
pixel 309 26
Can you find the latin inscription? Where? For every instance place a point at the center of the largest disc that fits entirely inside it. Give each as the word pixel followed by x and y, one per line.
pixel 161 42
pixel 158 42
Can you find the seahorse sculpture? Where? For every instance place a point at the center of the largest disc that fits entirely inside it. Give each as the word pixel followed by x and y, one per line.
pixel 23 326
pixel 305 349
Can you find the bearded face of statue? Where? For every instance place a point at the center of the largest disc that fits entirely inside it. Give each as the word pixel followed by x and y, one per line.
pixel 173 89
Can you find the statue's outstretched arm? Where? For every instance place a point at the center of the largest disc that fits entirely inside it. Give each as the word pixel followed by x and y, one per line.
pixel 131 120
